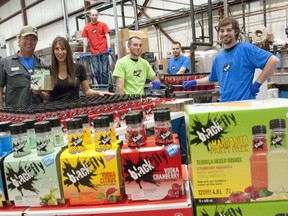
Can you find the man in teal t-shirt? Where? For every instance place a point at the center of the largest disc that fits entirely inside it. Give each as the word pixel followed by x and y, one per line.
pixel 131 71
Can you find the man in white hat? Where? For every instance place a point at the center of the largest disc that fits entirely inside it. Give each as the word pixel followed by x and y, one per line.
pixel 16 70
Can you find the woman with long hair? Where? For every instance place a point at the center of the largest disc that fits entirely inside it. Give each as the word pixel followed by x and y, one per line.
pixel 67 76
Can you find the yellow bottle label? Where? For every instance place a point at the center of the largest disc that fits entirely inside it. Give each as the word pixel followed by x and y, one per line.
pixel 76 142
pixel 102 140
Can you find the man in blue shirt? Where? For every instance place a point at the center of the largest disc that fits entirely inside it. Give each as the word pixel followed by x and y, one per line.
pixel 178 64
pixel 234 67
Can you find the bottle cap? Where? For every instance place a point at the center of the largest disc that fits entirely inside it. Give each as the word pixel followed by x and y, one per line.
pixel 84 118
pixel 42 126
pixel 30 123
pixel 277 123
pixel 109 115
pixel 162 115
pixel 5 126
pixel 259 129
pixel 133 117
pixel 74 124
pixel 18 128
pixel 54 121
pixel 101 121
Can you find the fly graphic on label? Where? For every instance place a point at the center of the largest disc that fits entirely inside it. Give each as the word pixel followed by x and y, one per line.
pixel 137 73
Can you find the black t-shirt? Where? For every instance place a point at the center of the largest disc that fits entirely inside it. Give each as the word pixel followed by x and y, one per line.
pixel 65 90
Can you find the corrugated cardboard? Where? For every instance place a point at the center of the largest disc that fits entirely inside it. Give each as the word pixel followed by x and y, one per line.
pixel 125 34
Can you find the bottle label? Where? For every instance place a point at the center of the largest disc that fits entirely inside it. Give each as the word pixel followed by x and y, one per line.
pixel 135 138
pixel 44 145
pixel 278 140
pixel 260 144
pixel 76 142
pixel 21 146
pixel 102 141
pixel 163 135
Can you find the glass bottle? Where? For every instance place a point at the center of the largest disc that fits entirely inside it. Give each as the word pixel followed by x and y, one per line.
pixel 45 144
pixel 31 132
pixel 135 136
pixel 56 131
pixel 277 157
pixel 258 159
pixel 163 127
pixel 86 129
pixel 102 134
pixel 5 137
pixel 111 125
pixel 75 136
pixel 20 142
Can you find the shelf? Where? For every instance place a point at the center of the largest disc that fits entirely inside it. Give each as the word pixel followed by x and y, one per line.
pixel 180 206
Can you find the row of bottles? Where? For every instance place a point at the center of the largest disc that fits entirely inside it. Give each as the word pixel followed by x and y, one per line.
pixel 269 169
pixel 88 170
pixel 69 109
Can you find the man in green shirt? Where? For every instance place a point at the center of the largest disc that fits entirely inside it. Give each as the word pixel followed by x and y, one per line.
pixel 131 71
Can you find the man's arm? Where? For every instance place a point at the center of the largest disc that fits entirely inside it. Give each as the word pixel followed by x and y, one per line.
pixel 156 79
pixel 108 40
pixel 120 85
pixel 85 45
pixel 181 70
pixel 268 70
pixel 185 65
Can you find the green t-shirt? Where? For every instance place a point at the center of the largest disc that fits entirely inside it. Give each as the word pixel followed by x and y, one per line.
pixel 134 73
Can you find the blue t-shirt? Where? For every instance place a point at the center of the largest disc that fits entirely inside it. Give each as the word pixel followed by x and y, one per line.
pixel 234 70
pixel 174 65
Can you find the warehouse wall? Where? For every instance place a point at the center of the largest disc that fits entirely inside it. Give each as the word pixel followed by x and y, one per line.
pixel 179 30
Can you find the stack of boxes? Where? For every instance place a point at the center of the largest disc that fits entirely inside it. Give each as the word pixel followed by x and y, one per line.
pixel 238 155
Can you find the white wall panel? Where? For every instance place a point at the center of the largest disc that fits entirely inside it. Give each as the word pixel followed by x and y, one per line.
pixel 11 7
pixel 44 12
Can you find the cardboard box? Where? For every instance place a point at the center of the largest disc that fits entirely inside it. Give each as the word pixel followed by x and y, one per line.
pixel 153 172
pixel 41 79
pixel 176 105
pixel 125 34
pixel 91 177
pixel 272 208
pixel 228 162
pixel 164 63
pixel 32 180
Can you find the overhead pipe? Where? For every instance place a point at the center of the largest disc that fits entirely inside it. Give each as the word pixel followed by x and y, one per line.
pixel 65 16
pixel 194 42
pixel 134 2
pixel 244 15
pixel 116 28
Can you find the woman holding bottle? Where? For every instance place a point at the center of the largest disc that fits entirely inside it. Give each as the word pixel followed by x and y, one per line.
pixel 67 76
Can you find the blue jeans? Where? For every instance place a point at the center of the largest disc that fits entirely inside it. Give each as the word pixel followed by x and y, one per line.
pixel 101 67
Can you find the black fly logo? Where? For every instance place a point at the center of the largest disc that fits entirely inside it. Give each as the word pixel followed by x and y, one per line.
pixel 42 146
pixel 80 175
pixel 19 147
pixel 104 140
pixel 35 80
pixel 226 68
pixel 76 142
pixel 223 212
pixel 206 133
pixel 23 179
pixel 258 144
pixel 137 73
pixel 142 171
